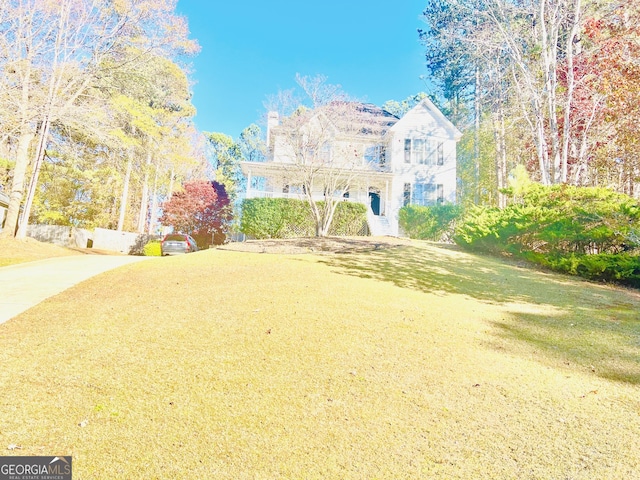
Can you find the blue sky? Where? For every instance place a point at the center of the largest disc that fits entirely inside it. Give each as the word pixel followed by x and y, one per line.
pixel 251 49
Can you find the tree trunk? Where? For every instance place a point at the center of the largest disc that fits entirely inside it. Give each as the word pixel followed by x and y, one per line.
pixel 476 137
pixel 39 158
pixel 17 186
pixel 125 192
pixel 329 211
pixel 22 157
pixel 144 203
pixel 501 156
pixel 154 203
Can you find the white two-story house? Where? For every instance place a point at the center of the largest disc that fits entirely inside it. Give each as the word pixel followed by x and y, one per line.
pixel 384 162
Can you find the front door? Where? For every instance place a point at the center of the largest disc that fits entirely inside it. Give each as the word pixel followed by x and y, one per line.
pixel 374 200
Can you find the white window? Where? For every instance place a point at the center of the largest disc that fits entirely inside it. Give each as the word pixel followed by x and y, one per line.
pixel 419 151
pixel 406 200
pixel 428 194
pixel 375 155
pixel 325 153
pixel 258 183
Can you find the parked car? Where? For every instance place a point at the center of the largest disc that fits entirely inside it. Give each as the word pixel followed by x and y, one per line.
pixel 176 243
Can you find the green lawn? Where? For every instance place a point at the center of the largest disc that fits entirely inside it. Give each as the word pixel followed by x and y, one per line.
pixel 406 362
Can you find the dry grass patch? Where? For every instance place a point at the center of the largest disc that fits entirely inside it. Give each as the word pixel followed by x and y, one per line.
pixel 14 250
pixel 404 362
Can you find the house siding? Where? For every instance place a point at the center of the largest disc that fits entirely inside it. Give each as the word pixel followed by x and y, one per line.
pixel 425 124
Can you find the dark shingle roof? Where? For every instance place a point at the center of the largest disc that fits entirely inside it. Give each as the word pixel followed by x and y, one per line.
pixel 351 117
pixel 375 120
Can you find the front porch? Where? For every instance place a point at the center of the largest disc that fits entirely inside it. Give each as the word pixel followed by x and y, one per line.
pixel 374 194
pixel 379 223
pixel 370 188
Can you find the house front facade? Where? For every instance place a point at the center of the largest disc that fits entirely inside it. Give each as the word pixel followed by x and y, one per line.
pixel 379 160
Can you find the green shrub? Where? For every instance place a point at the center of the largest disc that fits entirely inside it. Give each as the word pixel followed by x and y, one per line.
pixel 429 223
pixel 557 219
pixel 152 249
pixel 591 232
pixel 349 220
pixel 272 217
pixel 620 268
pixel 287 218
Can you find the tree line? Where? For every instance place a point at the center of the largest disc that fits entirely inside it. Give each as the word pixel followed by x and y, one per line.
pixel 95 111
pixel 96 116
pixel 551 85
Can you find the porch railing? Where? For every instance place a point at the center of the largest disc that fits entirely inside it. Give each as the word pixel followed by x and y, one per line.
pixel 251 193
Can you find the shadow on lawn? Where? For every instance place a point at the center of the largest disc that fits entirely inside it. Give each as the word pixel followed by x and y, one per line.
pixel 593 328
pixel 445 269
pixel 605 346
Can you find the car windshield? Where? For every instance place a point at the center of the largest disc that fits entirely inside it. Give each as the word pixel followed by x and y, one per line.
pixel 176 237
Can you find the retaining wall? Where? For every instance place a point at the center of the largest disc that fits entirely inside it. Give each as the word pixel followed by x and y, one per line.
pixel 60 235
pixel 101 238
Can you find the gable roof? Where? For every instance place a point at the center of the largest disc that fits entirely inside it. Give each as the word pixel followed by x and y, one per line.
pixel 369 119
pixel 436 114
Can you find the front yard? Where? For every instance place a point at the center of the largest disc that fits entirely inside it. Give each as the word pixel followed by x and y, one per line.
pixel 14 251
pixel 395 361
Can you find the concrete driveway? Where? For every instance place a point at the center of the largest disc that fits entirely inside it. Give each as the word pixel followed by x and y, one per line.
pixel 24 285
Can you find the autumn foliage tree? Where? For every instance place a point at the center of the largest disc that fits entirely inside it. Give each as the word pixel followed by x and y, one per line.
pixel 616 79
pixel 202 209
pixel 557 81
pixel 58 63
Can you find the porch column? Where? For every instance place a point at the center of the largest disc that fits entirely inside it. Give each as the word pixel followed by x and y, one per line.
pixel 247 195
pixel 386 198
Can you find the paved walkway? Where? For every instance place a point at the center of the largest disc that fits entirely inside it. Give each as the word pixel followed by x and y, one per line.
pixel 24 285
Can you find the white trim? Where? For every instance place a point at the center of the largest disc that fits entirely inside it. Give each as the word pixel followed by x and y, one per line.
pixel 435 112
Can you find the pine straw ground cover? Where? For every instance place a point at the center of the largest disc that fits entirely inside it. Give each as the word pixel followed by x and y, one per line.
pixel 408 361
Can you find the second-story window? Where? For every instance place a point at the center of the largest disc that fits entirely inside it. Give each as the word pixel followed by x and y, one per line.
pixel 416 151
pixel 407 150
pixel 382 156
pixel 325 153
pixel 421 151
pixel 376 155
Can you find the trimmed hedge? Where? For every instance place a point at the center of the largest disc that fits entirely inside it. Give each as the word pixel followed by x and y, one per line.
pixel 350 220
pixel 271 217
pixel 436 223
pixel 591 232
pixel 288 218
